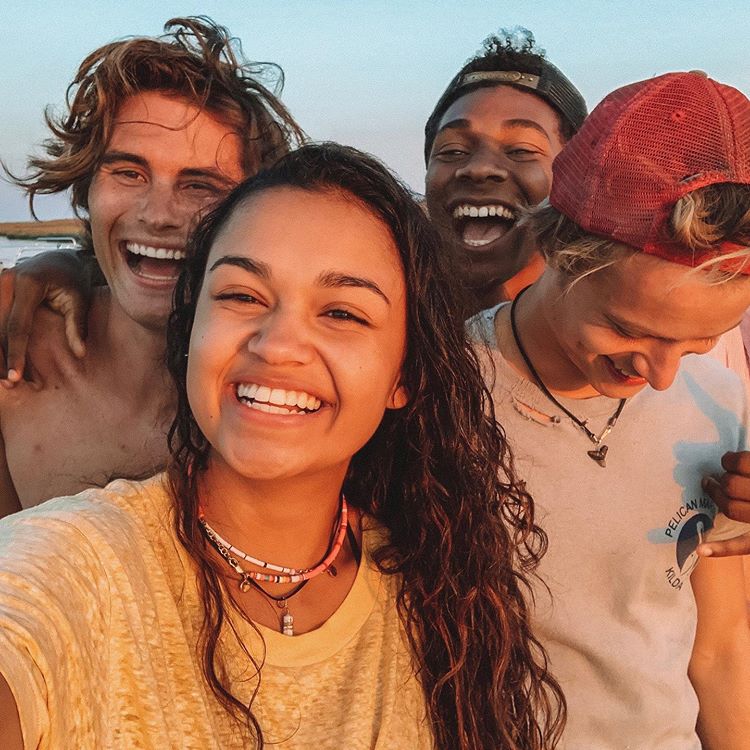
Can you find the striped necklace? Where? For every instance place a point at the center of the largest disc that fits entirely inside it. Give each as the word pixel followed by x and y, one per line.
pixel 282 573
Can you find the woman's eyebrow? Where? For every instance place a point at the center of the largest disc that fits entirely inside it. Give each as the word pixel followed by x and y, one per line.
pixel 242 261
pixel 329 279
pixel 334 279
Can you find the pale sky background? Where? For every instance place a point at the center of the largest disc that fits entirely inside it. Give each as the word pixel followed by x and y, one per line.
pixel 364 72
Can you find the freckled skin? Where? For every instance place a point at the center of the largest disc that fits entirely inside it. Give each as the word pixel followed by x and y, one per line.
pixel 153 201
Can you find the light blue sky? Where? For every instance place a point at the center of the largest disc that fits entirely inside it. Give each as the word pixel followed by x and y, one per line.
pixel 363 72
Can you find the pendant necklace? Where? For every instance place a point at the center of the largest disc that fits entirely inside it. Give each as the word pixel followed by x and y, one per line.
pixel 287 621
pixel 598 454
pixel 284 574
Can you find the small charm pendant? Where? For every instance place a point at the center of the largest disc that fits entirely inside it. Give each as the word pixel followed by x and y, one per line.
pixel 599 455
pixel 244 584
pixel 287 624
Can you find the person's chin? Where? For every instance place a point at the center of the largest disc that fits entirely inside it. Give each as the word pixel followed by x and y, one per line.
pixel 490 264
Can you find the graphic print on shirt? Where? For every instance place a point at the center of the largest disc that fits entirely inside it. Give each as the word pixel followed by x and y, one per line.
pixel 687 529
pixel 695 517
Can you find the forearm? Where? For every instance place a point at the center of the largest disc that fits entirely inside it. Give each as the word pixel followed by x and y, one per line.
pixel 720 662
pixel 10 724
pixel 721 678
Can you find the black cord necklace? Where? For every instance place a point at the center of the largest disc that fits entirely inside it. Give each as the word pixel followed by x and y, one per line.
pixel 599 454
pixel 281 600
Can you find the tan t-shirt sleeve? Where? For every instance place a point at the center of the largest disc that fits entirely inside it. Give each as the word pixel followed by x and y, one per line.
pixel 26 682
pixel 50 628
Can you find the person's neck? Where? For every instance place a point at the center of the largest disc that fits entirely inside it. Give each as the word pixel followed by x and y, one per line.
pixel 288 521
pixel 496 293
pixel 128 355
pixel 533 313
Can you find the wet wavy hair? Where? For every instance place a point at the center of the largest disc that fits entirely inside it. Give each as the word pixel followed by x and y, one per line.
pixel 437 474
pixel 195 59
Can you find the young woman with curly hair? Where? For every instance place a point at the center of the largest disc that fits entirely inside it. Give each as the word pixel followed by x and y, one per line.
pixel 330 558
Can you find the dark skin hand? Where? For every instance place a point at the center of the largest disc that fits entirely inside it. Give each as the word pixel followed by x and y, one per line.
pixel 58 279
pixel 731 492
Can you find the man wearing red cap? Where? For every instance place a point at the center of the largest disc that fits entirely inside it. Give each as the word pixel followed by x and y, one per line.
pixel 647 243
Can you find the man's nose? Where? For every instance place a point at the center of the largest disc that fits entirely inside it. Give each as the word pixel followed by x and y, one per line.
pixel 483 165
pixel 659 364
pixel 160 208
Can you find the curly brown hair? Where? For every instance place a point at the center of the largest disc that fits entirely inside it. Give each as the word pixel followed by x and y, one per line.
pixel 436 474
pixel 195 59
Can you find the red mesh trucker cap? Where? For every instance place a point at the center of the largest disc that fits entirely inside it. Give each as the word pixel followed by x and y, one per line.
pixel 644 147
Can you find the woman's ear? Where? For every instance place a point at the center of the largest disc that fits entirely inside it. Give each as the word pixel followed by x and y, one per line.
pixel 398 398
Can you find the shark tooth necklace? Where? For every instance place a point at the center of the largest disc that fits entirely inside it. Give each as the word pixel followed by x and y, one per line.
pixel 599 453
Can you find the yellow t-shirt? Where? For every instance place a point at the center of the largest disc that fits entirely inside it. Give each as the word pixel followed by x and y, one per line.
pixel 99 620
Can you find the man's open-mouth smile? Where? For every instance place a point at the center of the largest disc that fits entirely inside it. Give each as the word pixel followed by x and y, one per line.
pixel 154 263
pixel 479 224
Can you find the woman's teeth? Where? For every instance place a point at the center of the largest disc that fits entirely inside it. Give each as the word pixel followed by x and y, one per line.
pixel 160 253
pixel 277 400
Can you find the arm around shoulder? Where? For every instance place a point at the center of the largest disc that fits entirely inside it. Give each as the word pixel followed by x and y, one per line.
pixel 720 662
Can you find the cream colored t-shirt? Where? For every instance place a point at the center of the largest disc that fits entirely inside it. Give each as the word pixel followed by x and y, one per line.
pixel 99 620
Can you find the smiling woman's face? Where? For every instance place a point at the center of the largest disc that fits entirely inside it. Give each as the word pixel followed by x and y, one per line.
pixel 299 334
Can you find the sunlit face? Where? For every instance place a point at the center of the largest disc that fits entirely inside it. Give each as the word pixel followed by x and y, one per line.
pixel 165 164
pixel 628 325
pixel 299 334
pixel 492 154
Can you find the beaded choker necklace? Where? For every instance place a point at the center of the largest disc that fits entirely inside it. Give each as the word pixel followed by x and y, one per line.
pixel 283 574
pixel 249 578
pixel 598 454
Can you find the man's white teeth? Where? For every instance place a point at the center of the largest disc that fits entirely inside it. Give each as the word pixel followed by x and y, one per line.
pixel 625 373
pixel 466 211
pixel 278 400
pixel 160 253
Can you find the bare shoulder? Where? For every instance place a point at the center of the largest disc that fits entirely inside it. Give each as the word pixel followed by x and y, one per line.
pixel 49 352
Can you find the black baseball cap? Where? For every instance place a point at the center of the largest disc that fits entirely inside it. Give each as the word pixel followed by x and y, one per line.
pixel 538 76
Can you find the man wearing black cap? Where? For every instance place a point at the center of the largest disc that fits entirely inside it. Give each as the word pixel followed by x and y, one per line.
pixel 489 147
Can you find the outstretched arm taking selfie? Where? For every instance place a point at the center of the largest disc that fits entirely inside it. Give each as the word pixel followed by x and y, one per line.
pixel 720 662
pixel 11 737
pixel 57 279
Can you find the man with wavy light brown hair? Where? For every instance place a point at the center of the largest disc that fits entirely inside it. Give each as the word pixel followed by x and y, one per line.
pixel 157 130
